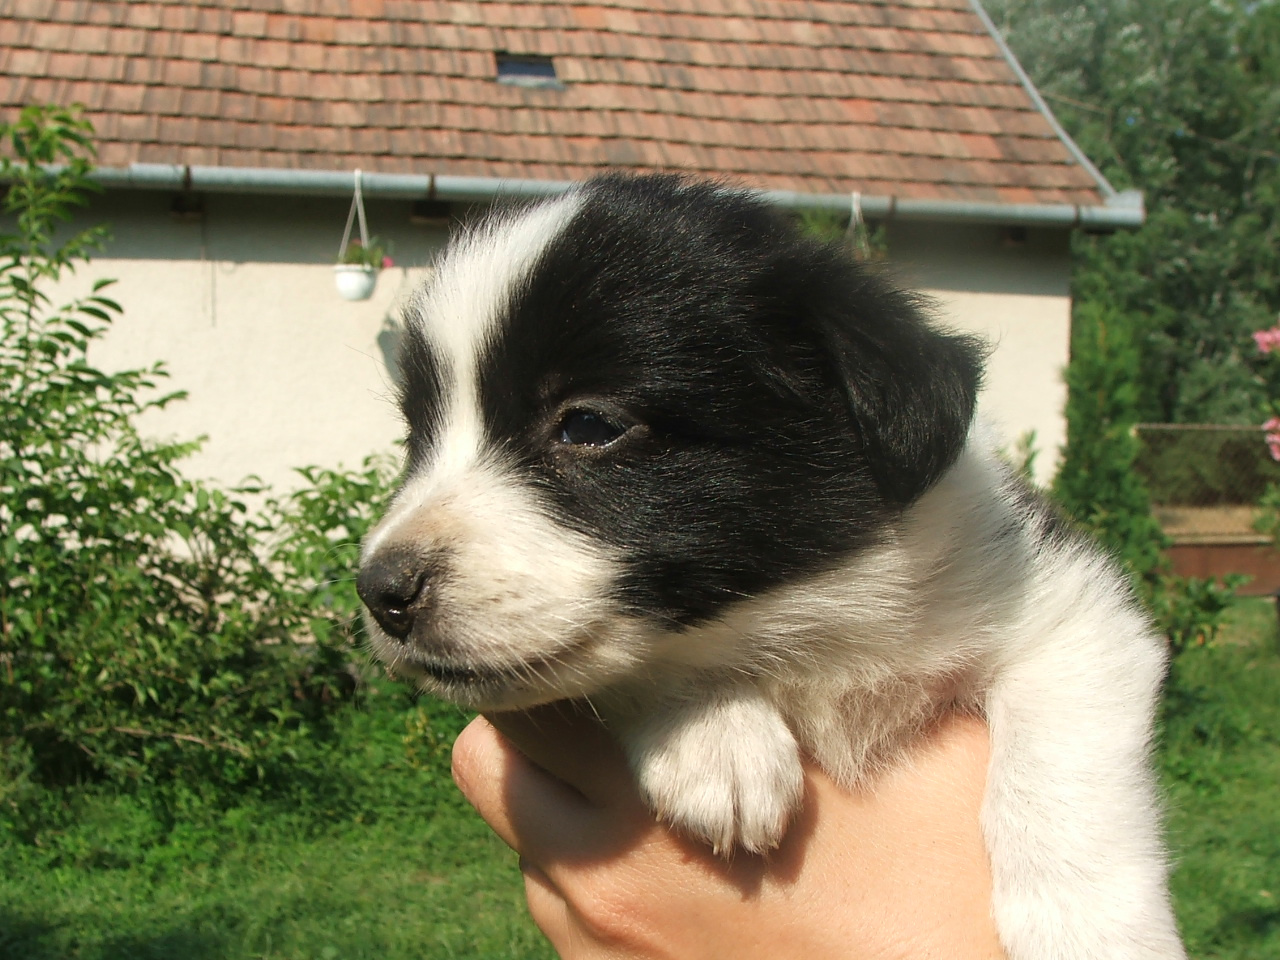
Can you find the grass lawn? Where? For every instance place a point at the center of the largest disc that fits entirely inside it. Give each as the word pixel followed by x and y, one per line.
pixel 371 853
pixel 397 888
pixel 1221 765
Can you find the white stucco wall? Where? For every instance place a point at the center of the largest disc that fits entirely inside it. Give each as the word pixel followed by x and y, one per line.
pixel 281 372
pixel 241 306
pixel 1015 293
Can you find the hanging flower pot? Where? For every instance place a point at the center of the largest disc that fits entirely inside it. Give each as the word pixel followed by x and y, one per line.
pixel 356 272
pixel 355 281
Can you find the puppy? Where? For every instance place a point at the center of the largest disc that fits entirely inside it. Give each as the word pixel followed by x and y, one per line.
pixel 668 455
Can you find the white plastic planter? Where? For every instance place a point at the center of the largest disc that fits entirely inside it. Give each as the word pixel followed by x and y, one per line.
pixel 355 281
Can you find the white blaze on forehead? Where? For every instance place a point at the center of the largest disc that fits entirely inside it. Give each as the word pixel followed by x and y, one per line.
pixel 512 588
pixel 464 305
pixel 461 310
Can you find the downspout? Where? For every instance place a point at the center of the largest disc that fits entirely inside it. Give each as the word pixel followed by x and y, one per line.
pixel 1120 211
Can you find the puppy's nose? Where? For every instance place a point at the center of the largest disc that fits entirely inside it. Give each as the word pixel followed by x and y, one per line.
pixel 395 586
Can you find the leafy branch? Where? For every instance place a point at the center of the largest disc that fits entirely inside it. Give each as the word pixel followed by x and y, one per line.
pixel 152 628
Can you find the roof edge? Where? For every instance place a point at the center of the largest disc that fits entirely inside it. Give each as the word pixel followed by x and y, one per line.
pixel 1104 185
pixel 1120 211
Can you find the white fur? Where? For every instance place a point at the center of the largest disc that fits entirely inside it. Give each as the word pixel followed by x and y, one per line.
pixel 468 294
pixel 693 770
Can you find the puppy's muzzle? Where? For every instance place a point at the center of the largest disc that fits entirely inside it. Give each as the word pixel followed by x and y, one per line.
pixel 396 586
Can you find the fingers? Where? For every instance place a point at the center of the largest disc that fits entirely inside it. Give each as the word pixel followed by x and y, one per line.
pixel 549 909
pixel 858 866
pixel 569 742
pixel 505 788
pixel 482 762
pixel 535 813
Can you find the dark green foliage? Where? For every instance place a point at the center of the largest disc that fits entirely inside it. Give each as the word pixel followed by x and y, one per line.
pixel 315 536
pixel 151 628
pixel 375 855
pixel 366 851
pixel 1097 483
pixel 1181 99
pixel 1267 519
pixel 865 241
pixel 180 755
pixel 1191 611
pixel 1177 98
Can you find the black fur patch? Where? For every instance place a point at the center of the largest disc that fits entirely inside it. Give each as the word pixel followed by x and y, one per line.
pixel 420 390
pixel 782 403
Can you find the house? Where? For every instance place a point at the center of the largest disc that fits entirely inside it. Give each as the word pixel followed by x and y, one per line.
pixel 232 136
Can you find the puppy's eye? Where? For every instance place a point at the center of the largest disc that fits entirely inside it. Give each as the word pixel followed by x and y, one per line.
pixel 589 429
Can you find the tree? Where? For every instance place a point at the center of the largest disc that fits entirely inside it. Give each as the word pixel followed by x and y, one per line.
pixel 1097 484
pixel 1181 99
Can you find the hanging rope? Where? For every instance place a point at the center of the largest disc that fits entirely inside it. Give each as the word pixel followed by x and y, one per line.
pixel 857 233
pixel 357 211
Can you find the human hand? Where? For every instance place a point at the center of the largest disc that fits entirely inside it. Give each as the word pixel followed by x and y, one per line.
pixel 897 870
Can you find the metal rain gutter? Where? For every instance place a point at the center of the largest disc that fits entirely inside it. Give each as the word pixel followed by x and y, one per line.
pixel 1119 211
pixel 1122 211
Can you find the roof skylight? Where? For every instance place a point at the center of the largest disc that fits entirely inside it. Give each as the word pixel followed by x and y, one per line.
pixel 527 70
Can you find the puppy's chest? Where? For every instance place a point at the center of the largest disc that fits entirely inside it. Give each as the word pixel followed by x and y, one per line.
pixel 849 723
pixel 850 728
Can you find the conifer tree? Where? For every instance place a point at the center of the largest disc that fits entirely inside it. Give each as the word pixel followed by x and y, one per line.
pixel 1097 483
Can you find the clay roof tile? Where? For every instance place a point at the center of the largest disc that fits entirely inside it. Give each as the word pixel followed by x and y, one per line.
pixel 910 98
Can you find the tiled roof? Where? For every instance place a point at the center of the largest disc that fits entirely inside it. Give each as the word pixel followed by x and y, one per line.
pixel 906 98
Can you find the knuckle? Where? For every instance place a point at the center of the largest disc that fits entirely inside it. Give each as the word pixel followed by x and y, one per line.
pixel 607 912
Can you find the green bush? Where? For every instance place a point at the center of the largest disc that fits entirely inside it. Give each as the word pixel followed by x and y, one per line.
pixel 1097 483
pixel 1100 486
pixel 1191 611
pixel 152 628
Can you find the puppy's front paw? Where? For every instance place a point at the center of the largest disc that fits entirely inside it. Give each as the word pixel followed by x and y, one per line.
pixel 727 772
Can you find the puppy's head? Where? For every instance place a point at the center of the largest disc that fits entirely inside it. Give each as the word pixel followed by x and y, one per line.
pixel 629 408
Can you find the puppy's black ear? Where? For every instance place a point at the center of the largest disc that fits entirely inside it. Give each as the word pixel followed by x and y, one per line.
pixel 911 388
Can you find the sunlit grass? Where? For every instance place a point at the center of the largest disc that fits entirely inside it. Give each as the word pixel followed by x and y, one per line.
pixel 1221 761
pixel 370 854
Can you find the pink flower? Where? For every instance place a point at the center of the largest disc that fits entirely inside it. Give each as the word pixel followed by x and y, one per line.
pixel 1272 427
pixel 1267 340
pixel 387 263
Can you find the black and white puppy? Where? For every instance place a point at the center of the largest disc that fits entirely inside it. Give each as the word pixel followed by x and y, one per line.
pixel 669 455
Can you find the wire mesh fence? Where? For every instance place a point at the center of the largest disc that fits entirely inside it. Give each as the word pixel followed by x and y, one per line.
pixel 1205 482
pixel 1204 465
